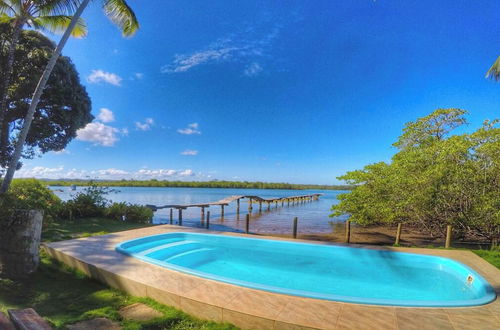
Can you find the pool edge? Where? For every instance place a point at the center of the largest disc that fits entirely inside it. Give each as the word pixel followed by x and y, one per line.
pixel 91 256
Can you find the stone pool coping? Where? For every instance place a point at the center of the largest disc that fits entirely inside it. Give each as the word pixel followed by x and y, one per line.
pixel 255 309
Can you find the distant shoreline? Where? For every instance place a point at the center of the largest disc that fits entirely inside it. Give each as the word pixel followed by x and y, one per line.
pixel 195 184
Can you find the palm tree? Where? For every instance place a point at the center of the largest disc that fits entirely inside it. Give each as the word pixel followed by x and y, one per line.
pixel 494 71
pixel 45 15
pixel 121 14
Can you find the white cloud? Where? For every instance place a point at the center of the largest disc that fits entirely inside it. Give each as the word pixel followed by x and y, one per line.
pixel 110 174
pixel 189 152
pixel 146 126
pixel 215 53
pixel 62 152
pixel 243 46
pixel 253 69
pixel 139 75
pixel 186 173
pixel 98 76
pixel 99 134
pixel 191 129
pixel 105 115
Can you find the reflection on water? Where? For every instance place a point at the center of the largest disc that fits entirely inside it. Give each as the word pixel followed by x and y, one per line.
pixel 313 216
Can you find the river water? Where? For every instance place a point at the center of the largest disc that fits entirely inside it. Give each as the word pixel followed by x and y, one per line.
pixel 313 216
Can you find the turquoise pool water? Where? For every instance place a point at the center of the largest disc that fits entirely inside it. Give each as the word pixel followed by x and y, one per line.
pixel 318 271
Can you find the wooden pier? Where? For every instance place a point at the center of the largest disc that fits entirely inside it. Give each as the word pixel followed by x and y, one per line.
pixel 294 200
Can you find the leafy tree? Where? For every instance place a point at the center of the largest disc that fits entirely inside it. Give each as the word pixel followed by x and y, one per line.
pixel 434 180
pixel 45 15
pixel 63 109
pixel 121 14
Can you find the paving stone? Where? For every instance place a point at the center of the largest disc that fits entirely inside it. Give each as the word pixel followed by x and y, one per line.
pixel 139 312
pixel 5 323
pixel 100 323
pixel 27 319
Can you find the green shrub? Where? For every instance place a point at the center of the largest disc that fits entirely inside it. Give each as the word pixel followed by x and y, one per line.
pixel 132 212
pixel 30 194
pixel 91 202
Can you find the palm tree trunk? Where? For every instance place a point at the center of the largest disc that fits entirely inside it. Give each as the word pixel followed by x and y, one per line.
pixel 7 78
pixel 36 98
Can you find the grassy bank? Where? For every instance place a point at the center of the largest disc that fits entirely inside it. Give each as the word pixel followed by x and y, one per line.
pixel 58 231
pixel 64 296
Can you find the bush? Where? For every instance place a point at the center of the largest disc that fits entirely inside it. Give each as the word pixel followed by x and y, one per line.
pixel 132 212
pixel 30 194
pixel 91 202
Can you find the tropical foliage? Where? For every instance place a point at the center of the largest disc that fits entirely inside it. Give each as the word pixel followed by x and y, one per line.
pixel 63 109
pixel 120 14
pixel 494 71
pixel 435 179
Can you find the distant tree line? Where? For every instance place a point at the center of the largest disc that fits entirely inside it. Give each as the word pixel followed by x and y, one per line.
pixel 196 184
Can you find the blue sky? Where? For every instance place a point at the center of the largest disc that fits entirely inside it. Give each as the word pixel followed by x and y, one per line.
pixel 293 91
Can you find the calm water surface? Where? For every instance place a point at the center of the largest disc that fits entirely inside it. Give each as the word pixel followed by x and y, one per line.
pixel 313 216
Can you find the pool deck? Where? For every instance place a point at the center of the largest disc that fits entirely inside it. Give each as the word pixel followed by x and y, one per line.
pixel 255 309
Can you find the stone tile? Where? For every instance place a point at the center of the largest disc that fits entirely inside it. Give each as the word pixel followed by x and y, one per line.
pixel 139 312
pixel 163 297
pixel 320 314
pixel 201 310
pixel 259 303
pixel 278 325
pixel 366 317
pixel 100 323
pixel 473 318
pixel 211 292
pixel 416 319
pixel 246 321
pixel 122 283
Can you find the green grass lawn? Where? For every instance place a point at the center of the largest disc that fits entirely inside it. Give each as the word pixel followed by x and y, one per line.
pixel 64 296
pixel 492 256
pixel 58 231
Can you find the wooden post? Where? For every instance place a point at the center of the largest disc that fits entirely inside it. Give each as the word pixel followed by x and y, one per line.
pixel 247 224
pixel 348 231
pixel 222 211
pixel 237 206
pixel 208 220
pixel 295 227
pixel 448 237
pixel 180 217
pixel 260 206
pixel 268 206
pixel 250 205
pixel 282 202
pixel 202 214
pixel 171 216
pixel 398 234
pixel 288 201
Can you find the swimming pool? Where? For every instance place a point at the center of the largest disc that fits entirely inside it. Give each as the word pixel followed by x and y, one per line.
pixel 358 275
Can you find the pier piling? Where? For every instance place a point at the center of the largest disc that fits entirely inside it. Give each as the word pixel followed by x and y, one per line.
pixel 295 220
pixel 247 224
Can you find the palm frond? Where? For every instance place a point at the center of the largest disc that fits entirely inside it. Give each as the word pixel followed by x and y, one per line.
pixel 4 18
pixel 120 13
pixel 494 71
pixel 59 24
pixel 9 7
pixel 57 7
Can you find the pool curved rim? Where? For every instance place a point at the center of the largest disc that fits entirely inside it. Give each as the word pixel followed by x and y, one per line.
pixel 489 296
